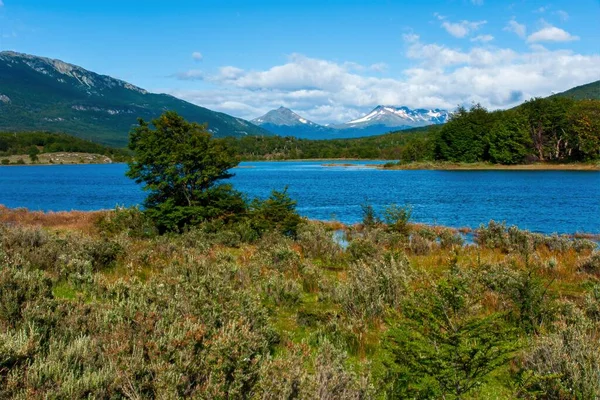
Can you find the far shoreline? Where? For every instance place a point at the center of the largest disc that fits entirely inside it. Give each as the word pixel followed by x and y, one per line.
pixel 390 165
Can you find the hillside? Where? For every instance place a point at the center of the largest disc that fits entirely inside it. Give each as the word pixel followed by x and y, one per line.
pixel 39 93
pixel 590 91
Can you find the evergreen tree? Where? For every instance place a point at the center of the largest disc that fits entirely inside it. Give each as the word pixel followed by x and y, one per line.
pixel 446 347
pixel 182 167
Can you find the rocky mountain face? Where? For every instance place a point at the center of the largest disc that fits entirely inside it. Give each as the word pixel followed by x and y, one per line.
pixel 38 93
pixel 381 120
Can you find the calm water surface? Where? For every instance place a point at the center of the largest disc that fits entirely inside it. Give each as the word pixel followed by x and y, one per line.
pixel 542 201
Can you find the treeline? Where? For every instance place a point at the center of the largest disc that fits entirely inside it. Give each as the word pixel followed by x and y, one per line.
pixel 410 144
pixel 34 143
pixel 552 129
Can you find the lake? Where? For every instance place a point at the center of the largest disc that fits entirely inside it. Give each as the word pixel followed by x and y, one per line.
pixel 541 201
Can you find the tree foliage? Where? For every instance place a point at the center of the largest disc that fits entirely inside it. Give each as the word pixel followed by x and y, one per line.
pixel 446 347
pixel 554 129
pixel 182 166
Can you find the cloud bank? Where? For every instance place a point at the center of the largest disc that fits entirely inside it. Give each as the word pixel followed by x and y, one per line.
pixel 439 76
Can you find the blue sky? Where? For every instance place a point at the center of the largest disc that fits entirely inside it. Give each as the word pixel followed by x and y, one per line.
pixel 328 60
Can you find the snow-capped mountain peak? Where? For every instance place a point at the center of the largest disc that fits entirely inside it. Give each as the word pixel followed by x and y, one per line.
pixel 282 117
pixel 393 116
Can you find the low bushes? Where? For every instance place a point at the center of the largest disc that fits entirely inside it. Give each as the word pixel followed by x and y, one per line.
pixel 217 312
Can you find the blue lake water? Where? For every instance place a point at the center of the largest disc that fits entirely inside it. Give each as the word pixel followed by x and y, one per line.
pixel 541 201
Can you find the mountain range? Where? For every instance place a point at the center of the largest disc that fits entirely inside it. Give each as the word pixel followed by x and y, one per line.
pixel 38 93
pixel 381 119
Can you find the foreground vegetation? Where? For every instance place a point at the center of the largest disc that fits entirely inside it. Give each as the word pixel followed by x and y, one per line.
pixel 98 305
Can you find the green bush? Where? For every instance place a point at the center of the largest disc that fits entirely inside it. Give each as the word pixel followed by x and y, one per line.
pixel 132 221
pixel 278 213
pixel 445 347
pixel 397 218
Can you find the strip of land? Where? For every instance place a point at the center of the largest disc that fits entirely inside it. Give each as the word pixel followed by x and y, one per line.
pixel 56 158
pixel 487 166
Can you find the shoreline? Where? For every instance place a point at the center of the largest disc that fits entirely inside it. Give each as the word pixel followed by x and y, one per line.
pixel 413 166
pixel 24 216
pixel 491 167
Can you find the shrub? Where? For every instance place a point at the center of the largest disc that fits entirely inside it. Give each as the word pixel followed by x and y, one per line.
pixel 419 245
pixel 397 218
pixel 20 289
pixel 446 347
pixel 591 264
pixel 361 249
pixel 132 221
pixel 562 365
pixel 278 213
pixel 317 242
pixel 494 236
pixel 449 239
pixel 374 287
pixel 282 291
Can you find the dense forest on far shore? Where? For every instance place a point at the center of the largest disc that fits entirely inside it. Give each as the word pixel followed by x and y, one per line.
pixel 35 143
pixel 552 129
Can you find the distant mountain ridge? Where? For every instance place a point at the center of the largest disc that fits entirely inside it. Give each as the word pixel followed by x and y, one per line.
pixel 380 120
pixel 38 93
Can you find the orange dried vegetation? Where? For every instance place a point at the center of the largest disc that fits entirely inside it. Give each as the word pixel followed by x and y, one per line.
pixel 76 220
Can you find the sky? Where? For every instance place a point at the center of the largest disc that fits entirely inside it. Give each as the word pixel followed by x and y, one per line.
pixel 330 61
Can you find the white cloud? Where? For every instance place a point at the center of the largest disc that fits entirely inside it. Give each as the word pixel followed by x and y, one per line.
pixel 563 15
pixel 515 27
pixel 379 67
pixel 440 76
pixel 462 28
pixel 191 75
pixel 482 38
pixel 551 34
pixel 542 10
pixel 197 56
pixel 477 2
pixel 410 37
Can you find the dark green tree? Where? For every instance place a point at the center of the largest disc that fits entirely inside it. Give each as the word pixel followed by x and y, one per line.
pixel 182 166
pixel 446 346
pixel 464 137
pixel 33 152
pixel 584 120
pixel 509 140
pixel 278 212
